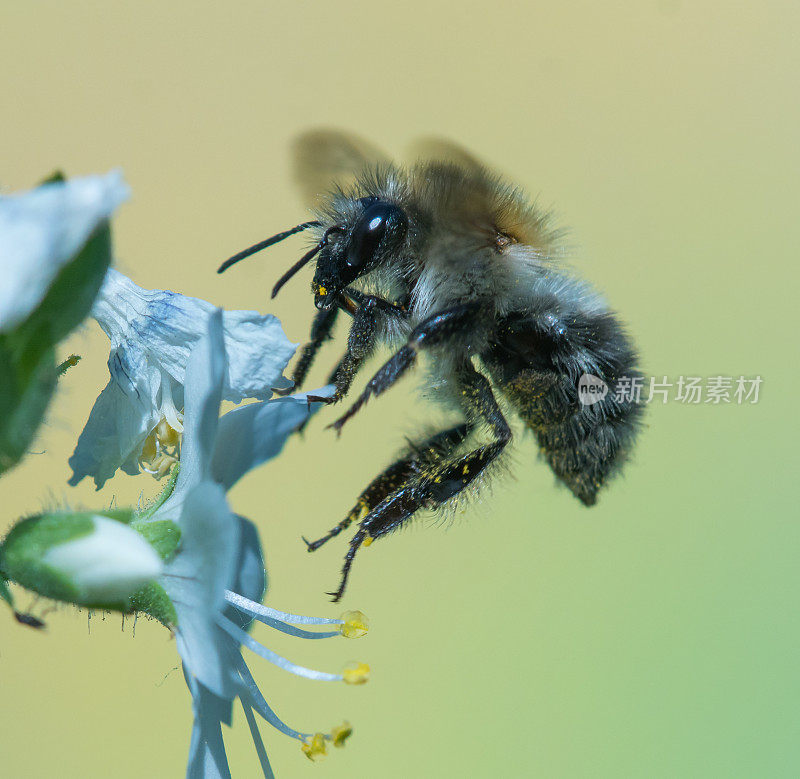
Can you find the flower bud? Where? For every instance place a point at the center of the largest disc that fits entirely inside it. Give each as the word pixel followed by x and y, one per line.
pixel 82 558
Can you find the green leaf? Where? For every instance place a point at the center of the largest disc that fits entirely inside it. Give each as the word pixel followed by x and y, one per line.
pixel 28 370
pixel 25 391
pixel 70 297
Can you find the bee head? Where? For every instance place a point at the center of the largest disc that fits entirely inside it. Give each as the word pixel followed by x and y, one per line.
pixel 345 251
pixel 348 252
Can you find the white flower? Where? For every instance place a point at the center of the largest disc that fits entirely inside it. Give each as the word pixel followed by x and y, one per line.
pixel 41 231
pixel 106 565
pixel 216 578
pixel 137 419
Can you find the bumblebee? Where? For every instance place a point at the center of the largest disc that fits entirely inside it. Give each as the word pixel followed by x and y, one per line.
pixel 445 259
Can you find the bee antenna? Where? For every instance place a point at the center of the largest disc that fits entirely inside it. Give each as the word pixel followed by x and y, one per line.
pixel 309 255
pixel 264 244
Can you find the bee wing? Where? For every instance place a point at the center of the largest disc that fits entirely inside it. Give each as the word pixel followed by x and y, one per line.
pixel 433 149
pixel 322 158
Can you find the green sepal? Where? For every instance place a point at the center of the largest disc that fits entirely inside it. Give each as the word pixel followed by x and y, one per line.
pixel 162 496
pixel 5 593
pixel 152 599
pixel 24 549
pixel 163 535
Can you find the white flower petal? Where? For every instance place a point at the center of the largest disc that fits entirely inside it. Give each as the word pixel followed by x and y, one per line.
pixel 253 434
pixel 152 335
pixel 122 417
pixel 41 230
pixel 204 376
pixel 165 325
pixel 207 758
pixel 258 352
pixel 195 580
pixel 251 574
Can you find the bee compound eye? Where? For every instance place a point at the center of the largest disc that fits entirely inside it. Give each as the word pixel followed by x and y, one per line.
pixel 377 219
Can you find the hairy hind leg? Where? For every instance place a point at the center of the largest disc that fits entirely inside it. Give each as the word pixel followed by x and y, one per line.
pixel 445 475
pixel 393 477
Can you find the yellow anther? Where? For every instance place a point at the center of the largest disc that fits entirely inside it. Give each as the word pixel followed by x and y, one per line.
pixel 315 749
pixel 161 449
pixel 161 466
pixel 357 674
pixel 368 540
pixel 355 624
pixel 167 435
pixel 322 291
pixel 341 733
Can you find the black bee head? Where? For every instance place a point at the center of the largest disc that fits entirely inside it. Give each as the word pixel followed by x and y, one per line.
pixel 345 251
pixel 349 252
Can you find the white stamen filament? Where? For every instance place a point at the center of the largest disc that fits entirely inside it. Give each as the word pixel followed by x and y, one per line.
pixel 266 768
pixel 247 640
pixel 259 610
pixel 254 698
pixel 168 410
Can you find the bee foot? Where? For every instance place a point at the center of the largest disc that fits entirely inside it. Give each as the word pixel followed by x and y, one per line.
pixel 327 399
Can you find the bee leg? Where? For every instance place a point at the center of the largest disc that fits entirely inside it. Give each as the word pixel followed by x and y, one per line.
pixel 432 331
pixel 387 515
pixel 400 506
pixel 444 475
pixel 452 473
pixel 320 332
pixel 394 477
pixel 368 311
pixel 377 490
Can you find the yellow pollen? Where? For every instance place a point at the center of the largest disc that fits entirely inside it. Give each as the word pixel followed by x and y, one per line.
pixel 167 435
pixel 341 733
pixel 322 291
pixel 315 749
pixel 355 624
pixel 358 674
pixel 368 540
pixel 465 470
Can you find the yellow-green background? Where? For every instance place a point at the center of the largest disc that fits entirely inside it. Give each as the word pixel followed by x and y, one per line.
pixel 655 635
